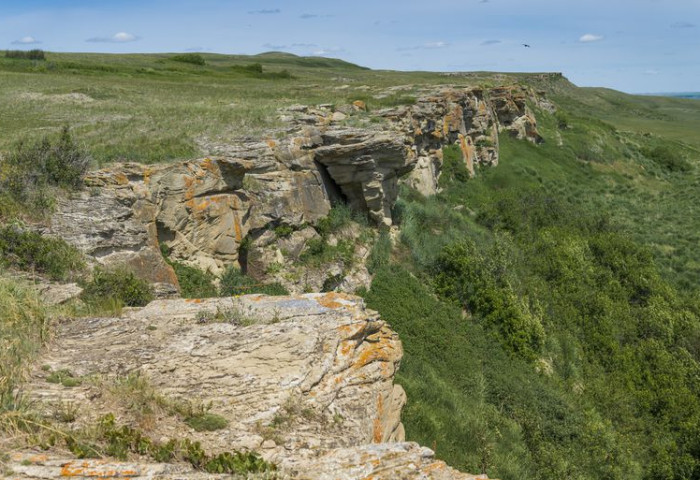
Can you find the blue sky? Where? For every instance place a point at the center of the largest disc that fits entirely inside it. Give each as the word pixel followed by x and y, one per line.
pixel 630 45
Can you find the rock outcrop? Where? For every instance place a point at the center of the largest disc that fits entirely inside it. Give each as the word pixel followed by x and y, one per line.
pixel 307 381
pixel 395 461
pixel 206 210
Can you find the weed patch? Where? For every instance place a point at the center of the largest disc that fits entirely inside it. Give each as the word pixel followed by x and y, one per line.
pixel 120 285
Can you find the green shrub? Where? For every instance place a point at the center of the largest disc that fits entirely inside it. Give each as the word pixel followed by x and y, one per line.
pixel 283 231
pixel 192 58
pixel 34 54
pixel 28 171
pixel 318 252
pixel 194 283
pixel 256 70
pixel 30 251
pixel 118 284
pixel 453 166
pixel 339 217
pixel 207 422
pixel 235 282
pixel 667 158
pixel 381 252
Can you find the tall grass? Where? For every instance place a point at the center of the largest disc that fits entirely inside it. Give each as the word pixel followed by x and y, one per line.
pixel 24 327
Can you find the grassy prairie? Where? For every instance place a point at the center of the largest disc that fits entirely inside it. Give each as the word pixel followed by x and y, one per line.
pixel 149 108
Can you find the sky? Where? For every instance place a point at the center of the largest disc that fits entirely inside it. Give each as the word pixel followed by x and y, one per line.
pixel 636 46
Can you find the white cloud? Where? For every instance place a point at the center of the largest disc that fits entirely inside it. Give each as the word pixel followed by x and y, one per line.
pixel 320 52
pixel 436 45
pixel 265 11
pixel 28 40
pixel 425 46
pixel 121 37
pixel 651 72
pixel 273 46
pixel 683 25
pixel 590 37
pixel 308 16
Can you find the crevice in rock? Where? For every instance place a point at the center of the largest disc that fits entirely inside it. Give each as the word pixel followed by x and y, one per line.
pixel 164 233
pixel 333 191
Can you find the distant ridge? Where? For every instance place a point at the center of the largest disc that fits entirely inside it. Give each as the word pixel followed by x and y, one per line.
pixel 693 95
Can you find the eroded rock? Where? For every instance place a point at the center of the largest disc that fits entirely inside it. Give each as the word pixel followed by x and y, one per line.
pixel 306 381
pixel 206 209
pixel 320 361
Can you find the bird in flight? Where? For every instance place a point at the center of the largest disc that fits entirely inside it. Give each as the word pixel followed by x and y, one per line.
pixel 526 45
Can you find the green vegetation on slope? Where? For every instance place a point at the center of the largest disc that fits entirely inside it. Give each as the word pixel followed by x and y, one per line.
pixel 542 340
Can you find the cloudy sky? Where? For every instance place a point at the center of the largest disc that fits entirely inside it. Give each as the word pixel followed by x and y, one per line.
pixel 630 45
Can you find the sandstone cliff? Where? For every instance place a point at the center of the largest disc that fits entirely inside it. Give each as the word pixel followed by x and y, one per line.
pixel 206 209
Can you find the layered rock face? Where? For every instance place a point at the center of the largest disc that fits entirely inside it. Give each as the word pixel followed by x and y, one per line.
pixel 307 381
pixel 205 210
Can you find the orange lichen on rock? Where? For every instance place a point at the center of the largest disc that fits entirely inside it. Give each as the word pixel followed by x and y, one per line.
pixel 121 179
pixel 237 221
pixel 377 431
pixel 333 300
pixel 91 469
pixel 210 165
pixel 360 105
pixel 452 120
pixel 465 144
pixel 379 350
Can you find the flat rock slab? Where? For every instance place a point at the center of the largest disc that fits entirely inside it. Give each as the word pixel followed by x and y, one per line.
pixel 295 373
pixel 395 461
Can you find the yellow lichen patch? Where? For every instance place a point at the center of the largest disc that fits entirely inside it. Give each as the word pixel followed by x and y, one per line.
pixel 377 431
pixel 121 179
pixel 334 300
pixel 360 105
pixel 465 144
pixel 434 467
pixel 271 143
pixel 380 350
pixel 189 188
pixel 193 300
pixel 237 221
pixel 346 348
pixel 85 469
pixel 452 120
pixel 209 165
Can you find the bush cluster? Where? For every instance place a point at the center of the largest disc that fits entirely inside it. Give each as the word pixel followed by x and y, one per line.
pixel 35 54
pixel 120 285
pixel 256 70
pixel 234 282
pixel 28 173
pixel 192 58
pixel 30 251
pixel 667 159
